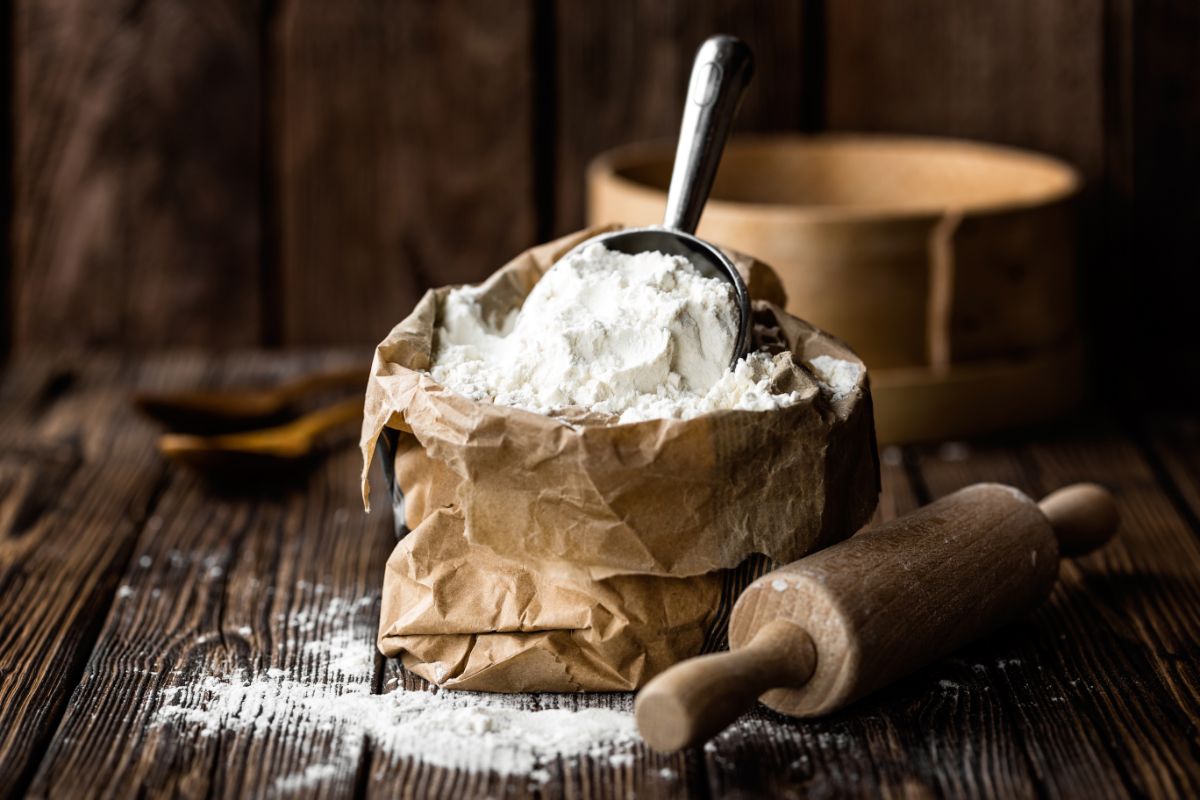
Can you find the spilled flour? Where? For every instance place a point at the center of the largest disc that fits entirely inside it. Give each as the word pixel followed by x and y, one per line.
pixel 461 730
pixel 332 720
pixel 334 714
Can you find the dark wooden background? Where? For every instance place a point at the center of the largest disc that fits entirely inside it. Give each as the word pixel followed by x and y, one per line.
pixel 296 172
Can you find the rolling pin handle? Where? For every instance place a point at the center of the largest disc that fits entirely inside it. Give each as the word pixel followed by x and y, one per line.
pixel 1083 515
pixel 696 699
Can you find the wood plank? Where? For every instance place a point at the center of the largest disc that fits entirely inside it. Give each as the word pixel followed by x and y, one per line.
pixel 1045 725
pixel 1164 143
pixel 136 219
pixel 28 388
pixel 1102 691
pixel 898 495
pixel 1053 77
pixel 404 134
pixel 233 584
pixel 1095 694
pixel 882 747
pixel 622 70
pixel 1175 447
pixel 78 478
pixel 244 585
pixel 6 181
pixel 390 777
pixel 1006 72
pixel 926 736
pixel 636 773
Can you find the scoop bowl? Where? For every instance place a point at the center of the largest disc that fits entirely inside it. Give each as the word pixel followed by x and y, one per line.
pixel 720 73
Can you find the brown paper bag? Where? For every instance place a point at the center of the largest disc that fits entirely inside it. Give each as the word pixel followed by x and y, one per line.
pixel 570 553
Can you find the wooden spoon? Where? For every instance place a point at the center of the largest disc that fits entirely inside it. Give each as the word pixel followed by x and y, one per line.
pixel 240 410
pixel 266 449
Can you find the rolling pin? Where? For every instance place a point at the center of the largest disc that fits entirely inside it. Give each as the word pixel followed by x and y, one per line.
pixel 824 631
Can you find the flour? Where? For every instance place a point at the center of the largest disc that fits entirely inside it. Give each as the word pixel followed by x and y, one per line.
pixel 333 714
pixel 330 723
pixel 838 378
pixel 457 730
pixel 642 336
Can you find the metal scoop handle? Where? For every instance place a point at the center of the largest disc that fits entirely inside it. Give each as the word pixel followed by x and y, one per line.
pixel 720 73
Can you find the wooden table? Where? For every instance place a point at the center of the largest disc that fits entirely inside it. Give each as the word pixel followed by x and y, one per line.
pixel 123 579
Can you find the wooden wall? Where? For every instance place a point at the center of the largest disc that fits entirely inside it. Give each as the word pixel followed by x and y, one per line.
pixel 295 172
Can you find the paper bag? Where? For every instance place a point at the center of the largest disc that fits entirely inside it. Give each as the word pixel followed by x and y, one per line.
pixel 569 552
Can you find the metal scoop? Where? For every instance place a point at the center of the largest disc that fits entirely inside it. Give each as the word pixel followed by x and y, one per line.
pixel 720 73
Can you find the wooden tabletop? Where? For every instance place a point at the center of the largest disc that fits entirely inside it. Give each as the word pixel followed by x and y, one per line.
pixel 123 580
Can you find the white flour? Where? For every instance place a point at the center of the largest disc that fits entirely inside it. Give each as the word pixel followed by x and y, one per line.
pixel 461 730
pixel 333 715
pixel 641 336
pixel 837 377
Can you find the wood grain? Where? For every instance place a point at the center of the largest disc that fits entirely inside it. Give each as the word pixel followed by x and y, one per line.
pixel 221 174
pixel 136 210
pixel 871 750
pixel 1174 450
pixel 623 68
pixel 224 583
pixel 6 180
pixel 1097 686
pixel 1011 73
pixel 897 597
pixel 898 494
pixel 404 134
pixel 133 582
pixel 1162 141
pixel 389 777
pixel 646 774
pixel 1057 689
pixel 79 476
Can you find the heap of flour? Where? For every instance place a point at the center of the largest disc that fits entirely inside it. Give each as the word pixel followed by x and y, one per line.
pixel 457 730
pixel 642 336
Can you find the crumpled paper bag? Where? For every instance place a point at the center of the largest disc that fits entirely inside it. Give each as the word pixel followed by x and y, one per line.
pixel 571 553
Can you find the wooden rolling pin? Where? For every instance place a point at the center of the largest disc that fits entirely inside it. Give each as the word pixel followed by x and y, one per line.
pixel 830 628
